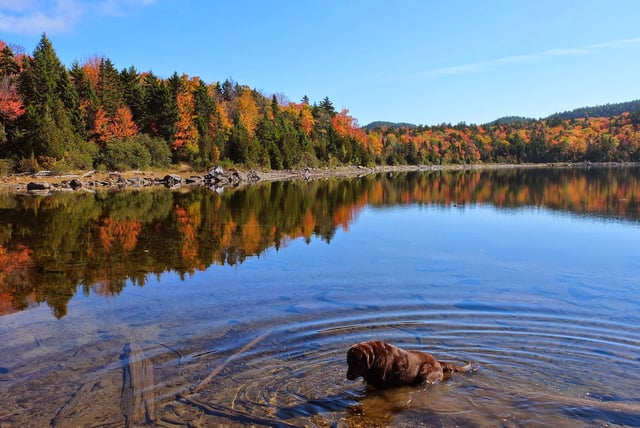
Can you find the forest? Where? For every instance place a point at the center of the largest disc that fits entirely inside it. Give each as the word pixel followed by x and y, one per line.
pixel 94 116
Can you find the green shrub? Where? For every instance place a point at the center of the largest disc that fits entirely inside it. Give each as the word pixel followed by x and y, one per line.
pixel 125 154
pixel 6 167
pixel 28 165
pixel 82 156
pixel 158 149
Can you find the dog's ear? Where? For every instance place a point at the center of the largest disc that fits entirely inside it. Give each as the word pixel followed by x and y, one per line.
pixel 360 356
pixel 368 356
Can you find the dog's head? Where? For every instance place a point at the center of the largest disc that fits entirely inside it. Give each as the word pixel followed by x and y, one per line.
pixel 359 358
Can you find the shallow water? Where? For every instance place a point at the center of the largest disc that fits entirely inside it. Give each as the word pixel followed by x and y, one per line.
pixel 245 303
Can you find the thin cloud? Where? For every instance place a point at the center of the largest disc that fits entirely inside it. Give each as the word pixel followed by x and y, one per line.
pixel 33 17
pixel 478 67
pixel 481 66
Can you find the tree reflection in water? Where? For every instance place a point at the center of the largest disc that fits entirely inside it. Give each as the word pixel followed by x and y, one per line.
pixel 51 245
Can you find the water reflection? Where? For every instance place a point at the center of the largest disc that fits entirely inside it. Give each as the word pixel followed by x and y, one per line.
pixel 49 245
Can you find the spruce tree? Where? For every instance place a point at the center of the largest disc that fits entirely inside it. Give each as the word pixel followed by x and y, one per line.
pixel 8 65
pixel 109 90
pixel 52 118
pixel 160 107
pixel 205 110
pixel 133 94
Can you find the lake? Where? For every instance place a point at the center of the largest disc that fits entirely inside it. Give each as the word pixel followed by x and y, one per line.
pixel 194 308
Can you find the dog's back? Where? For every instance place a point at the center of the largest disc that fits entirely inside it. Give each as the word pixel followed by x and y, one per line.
pixel 383 365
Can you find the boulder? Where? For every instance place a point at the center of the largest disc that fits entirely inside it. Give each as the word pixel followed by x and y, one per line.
pixel 172 180
pixel 215 175
pixel 75 184
pixel 34 185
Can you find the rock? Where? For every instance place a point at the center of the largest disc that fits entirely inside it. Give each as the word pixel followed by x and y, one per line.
pixel 215 175
pixel 38 186
pixel 253 176
pixel 172 180
pixel 235 178
pixel 75 184
pixel 136 182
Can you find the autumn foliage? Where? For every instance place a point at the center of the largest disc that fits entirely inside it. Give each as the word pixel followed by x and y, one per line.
pixel 74 117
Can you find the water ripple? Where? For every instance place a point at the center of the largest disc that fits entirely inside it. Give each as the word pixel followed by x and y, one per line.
pixel 537 357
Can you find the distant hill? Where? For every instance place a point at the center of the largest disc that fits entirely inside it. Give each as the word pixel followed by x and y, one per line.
pixel 511 120
pixel 605 110
pixel 384 124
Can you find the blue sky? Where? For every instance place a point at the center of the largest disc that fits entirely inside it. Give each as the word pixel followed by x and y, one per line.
pixel 418 61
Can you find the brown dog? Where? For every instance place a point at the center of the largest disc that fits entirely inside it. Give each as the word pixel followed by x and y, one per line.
pixel 384 366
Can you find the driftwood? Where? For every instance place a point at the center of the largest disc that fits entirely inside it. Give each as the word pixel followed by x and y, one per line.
pixel 69 408
pixel 226 362
pixel 242 417
pixel 216 410
pixel 137 397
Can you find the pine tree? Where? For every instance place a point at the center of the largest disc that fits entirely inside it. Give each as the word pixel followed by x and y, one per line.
pixel 160 107
pixel 327 106
pixel 53 117
pixel 88 100
pixel 205 111
pixel 241 148
pixel 8 64
pixel 133 94
pixel 109 90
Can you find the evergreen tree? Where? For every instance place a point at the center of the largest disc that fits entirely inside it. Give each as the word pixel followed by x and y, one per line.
pixel 241 148
pixel 266 133
pixel 8 65
pixel 133 94
pixel 88 100
pixel 327 106
pixel 205 111
pixel 53 116
pixel 226 90
pixel 109 90
pixel 160 107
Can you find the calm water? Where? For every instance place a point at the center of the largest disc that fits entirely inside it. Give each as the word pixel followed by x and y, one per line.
pixel 245 302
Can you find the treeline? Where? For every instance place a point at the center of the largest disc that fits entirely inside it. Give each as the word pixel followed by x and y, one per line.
pixel 596 139
pixel 93 115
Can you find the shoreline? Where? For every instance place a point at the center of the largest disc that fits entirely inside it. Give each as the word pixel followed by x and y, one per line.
pixel 46 182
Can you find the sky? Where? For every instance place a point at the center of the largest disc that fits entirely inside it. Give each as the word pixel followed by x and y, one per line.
pixel 419 61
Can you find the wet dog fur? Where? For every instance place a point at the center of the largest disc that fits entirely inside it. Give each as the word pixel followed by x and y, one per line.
pixel 383 365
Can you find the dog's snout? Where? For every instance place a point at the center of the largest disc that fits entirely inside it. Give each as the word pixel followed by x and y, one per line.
pixel 350 376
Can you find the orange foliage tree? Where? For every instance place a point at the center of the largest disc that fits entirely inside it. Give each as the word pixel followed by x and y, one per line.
pixel 186 134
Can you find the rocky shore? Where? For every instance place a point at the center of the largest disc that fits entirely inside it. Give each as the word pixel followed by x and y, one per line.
pixel 217 178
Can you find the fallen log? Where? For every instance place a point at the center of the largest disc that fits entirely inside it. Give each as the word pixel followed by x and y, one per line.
pixel 137 397
pixel 226 362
